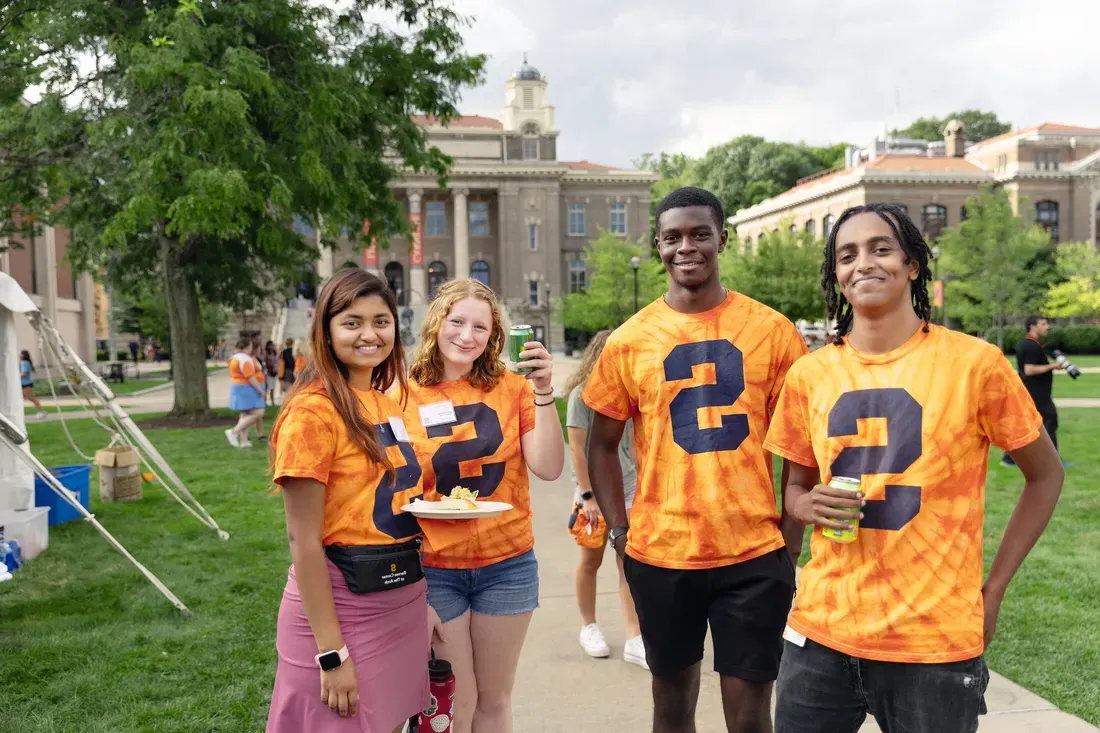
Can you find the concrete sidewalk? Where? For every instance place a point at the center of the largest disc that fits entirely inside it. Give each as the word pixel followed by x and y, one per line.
pixel 559 688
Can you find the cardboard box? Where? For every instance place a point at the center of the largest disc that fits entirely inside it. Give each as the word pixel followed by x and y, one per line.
pixel 119 473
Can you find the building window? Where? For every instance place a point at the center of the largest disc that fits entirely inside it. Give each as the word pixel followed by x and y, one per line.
pixel 963 215
pixel 578 275
pixel 1046 215
pixel 1046 160
pixel 1054 155
pixel 576 220
pixel 811 228
pixel 530 150
pixel 532 237
pixel 617 223
pixel 479 218
pixel 533 292
pixel 933 220
pixel 437 275
pixel 480 271
pixel 827 225
pixel 395 276
pixel 436 225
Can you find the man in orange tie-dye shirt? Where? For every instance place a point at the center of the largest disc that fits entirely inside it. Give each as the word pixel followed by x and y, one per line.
pixel 699 372
pixel 895 623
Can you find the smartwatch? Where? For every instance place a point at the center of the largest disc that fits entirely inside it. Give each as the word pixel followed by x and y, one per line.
pixel 329 661
pixel 587 495
pixel 615 533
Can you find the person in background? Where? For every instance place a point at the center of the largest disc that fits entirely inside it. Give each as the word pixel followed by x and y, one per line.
pixel 271 370
pixel 261 377
pixel 586 518
pixel 26 381
pixel 286 366
pixel 134 350
pixel 1037 371
pixel 246 393
pixel 301 356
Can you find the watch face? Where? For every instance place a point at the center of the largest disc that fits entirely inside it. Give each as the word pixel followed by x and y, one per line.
pixel 329 661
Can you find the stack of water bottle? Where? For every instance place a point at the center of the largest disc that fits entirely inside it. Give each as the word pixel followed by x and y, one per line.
pixel 11 556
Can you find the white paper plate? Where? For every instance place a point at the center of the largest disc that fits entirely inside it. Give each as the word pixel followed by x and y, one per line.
pixel 429 510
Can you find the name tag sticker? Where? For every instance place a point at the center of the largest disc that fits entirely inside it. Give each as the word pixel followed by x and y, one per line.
pixel 438 413
pixel 794 637
pixel 399 431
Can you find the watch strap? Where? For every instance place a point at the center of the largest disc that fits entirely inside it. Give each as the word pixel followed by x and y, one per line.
pixel 342 653
pixel 587 495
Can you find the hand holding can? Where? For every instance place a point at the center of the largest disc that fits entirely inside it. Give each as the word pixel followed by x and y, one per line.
pixel 518 338
pixel 839 513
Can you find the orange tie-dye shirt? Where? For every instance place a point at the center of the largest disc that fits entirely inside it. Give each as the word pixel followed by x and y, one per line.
pixel 241 367
pixel 482 452
pixel 362 503
pixel 699 388
pixel 915 424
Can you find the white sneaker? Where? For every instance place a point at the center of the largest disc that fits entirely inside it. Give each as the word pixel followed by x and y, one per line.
pixel 232 438
pixel 593 643
pixel 634 652
pixel 245 444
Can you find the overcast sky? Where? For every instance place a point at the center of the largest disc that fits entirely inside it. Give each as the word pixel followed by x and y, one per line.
pixel 681 75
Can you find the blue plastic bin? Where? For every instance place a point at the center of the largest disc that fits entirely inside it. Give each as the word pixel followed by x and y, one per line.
pixel 74 478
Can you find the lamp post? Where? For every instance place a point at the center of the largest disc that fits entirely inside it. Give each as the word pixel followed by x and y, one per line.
pixel 547 344
pixel 936 252
pixel 635 262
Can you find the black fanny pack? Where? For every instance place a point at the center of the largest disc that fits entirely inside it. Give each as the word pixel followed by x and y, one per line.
pixel 373 569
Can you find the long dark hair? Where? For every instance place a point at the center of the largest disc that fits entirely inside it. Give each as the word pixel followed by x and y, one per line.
pixel 25 355
pixel 325 372
pixel 912 244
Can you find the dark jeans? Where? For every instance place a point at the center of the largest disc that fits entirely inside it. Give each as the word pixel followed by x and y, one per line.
pixel 1049 413
pixel 825 691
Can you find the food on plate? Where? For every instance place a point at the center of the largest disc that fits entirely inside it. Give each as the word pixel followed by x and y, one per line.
pixel 460 499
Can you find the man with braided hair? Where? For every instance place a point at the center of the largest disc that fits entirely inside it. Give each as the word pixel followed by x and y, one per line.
pixel 895 623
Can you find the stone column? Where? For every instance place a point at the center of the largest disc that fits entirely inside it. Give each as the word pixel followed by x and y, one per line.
pixel 462 234
pixel 508 279
pixel 86 294
pixel 418 279
pixel 47 273
pixel 370 254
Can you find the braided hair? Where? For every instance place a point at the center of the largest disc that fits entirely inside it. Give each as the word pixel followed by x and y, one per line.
pixel 912 244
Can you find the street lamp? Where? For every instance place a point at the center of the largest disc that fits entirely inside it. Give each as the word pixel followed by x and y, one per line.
pixel 936 252
pixel 547 344
pixel 635 262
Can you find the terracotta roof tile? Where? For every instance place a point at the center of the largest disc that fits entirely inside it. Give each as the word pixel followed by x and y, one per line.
pixel 584 165
pixel 922 163
pixel 1044 127
pixel 475 121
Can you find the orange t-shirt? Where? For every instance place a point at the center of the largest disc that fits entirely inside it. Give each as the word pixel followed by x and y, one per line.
pixel 915 424
pixel 699 388
pixel 362 503
pixel 242 366
pixel 482 452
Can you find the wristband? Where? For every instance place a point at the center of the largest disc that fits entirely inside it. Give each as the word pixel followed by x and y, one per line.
pixel 543 404
pixel 544 394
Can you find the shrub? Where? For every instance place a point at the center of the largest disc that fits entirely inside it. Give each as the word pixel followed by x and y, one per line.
pixel 1080 339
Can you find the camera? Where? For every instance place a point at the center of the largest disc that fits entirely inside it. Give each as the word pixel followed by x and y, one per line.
pixel 1066 364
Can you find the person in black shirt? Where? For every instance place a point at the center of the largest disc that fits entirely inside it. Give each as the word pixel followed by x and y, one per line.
pixel 1037 372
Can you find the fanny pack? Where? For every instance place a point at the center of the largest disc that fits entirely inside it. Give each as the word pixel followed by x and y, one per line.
pixel 373 569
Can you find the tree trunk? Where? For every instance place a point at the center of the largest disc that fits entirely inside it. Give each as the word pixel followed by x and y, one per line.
pixel 192 400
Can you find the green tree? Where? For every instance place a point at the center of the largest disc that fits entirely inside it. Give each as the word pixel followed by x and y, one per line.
pixel 146 313
pixel 196 131
pixel 608 300
pixel 784 272
pixel 979 126
pixel 998 263
pixel 1078 264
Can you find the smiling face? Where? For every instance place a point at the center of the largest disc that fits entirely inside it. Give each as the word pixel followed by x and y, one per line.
pixel 872 270
pixel 465 332
pixel 689 241
pixel 363 334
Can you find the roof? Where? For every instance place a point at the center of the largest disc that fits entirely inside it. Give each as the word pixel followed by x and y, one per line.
pixel 473 121
pixel 1044 127
pixel 584 165
pixel 922 163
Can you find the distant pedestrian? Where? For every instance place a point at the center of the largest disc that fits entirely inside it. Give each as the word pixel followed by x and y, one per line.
pixel 286 366
pixel 271 370
pixel 26 381
pixel 246 393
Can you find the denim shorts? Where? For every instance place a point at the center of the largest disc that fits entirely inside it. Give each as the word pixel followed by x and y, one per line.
pixel 506 588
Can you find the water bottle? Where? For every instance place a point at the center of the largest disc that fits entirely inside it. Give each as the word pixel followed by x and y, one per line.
pixel 438 715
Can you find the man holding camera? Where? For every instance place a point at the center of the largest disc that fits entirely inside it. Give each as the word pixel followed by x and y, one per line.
pixel 1037 371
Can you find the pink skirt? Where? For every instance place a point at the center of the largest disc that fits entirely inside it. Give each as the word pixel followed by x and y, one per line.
pixel 387 637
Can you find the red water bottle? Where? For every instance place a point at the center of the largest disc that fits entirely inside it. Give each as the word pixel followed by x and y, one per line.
pixel 438 716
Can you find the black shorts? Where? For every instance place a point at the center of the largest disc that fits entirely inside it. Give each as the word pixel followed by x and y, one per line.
pixel 746 605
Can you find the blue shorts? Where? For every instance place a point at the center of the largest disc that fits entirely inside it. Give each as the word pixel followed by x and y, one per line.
pixel 506 588
pixel 243 397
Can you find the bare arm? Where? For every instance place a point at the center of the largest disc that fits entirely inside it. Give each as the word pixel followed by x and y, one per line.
pixel 1034 370
pixel 577 439
pixel 544 447
pixel 1043 477
pixel 304 502
pixel 789 527
pixel 603 463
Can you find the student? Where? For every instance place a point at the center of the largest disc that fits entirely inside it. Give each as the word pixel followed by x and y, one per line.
pixel 1036 369
pixel 286 366
pixel 585 522
pixel 895 623
pixel 698 371
pixel 246 393
pixel 341 456
pixel 485 428
pixel 271 370
pixel 26 381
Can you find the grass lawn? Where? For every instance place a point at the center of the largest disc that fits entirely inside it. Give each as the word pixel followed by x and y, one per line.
pixel 42 387
pixel 51 408
pixel 89 645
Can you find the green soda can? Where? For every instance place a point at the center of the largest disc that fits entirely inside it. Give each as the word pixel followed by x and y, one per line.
pixel 517 337
pixel 844 535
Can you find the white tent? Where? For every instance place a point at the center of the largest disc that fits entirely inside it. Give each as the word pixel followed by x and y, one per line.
pixel 16 478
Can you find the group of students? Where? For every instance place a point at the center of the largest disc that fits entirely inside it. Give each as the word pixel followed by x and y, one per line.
pixel 257 378
pixel 713 385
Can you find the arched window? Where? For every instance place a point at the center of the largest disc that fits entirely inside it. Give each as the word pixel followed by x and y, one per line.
pixel 963 214
pixel 437 275
pixel 793 229
pixel 530 150
pixel 827 225
pixel 933 219
pixel 395 276
pixel 811 228
pixel 1046 216
pixel 480 271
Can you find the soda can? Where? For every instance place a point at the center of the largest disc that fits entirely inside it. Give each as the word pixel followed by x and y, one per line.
pixel 844 535
pixel 517 337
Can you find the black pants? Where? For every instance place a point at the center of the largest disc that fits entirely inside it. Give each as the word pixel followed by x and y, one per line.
pixel 1049 413
pixel 821 690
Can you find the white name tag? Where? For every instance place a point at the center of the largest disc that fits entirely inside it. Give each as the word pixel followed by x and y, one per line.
pixel 438 413
pixel 794 637
pixel 399 431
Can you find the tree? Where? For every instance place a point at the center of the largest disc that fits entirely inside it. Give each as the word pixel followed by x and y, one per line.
pixel 1078 264
pixel 182 138
pixel 608 299
pixel 998 262
pixel 784 272
pixel 146 313
pixel 979 126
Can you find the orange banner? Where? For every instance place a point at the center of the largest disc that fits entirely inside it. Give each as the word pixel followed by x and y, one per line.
pixel 416 253
pixel 937 293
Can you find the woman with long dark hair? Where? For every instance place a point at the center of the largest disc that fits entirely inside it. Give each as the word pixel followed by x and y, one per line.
pixel 355 607
pixel 26 381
